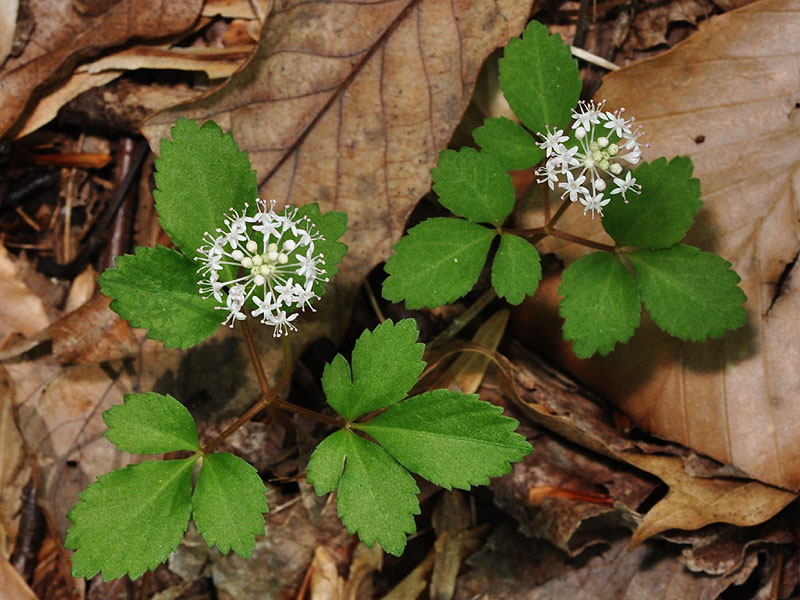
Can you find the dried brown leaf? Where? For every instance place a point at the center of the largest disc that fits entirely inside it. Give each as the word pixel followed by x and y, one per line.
pixel 12 585
pixel 21 311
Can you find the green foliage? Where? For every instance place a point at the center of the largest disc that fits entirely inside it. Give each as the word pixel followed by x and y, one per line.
pixel 474 186
pixel 332 225
pixel 601 304
pixel 129 520
pixel 516 269
pixel 386 363
pixel 228 503
pixel 450 438
pixel 200 176
pixel 660 216
pixel 156 289
pixel 508 143
pixel 540 78
pixel 150 423
pixel 690 294
pixel 438 261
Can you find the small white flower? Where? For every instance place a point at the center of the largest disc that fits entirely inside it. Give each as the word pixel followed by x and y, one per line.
pixel 573 186
pixel 594 203
pixel 552 142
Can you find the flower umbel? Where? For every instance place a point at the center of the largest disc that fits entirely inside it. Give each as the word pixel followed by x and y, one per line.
pixel 272 260
pixel 600 151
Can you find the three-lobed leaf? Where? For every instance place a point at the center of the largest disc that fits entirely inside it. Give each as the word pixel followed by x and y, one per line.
pixel 508 143
pixel 540 79
pixel 156 289
pixel 690 294
pixel 437 262
pixel 129 520
pixel 229 504
pixel 660 216
pixel 516 269
pixel 450 438
pixel 150 423
pixel 600 304
pixel 200 176
pixel 473 185
pixel 376 497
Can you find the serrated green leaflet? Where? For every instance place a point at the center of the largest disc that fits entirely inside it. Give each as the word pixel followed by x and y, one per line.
pixel 450 438
pixel 601 304
pixel 660 216
pixel 228 503
pixel 508 143
pixel 438 261
pixel 690 294
pixel 332 225
pixel 516 269
pixel 200 176
pixel 156 289
pixel 473 185
pixel 377 498
pixel 150 423
pixel 129 520
pixel 385 365
pixel 540 79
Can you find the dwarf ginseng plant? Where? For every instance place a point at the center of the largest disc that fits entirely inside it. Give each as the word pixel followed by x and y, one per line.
pixel 240 258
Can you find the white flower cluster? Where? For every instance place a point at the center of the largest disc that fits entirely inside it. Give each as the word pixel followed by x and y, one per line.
pixel 601 147
pixel 273 260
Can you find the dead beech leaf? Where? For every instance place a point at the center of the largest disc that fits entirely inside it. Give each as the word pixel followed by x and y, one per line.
pixel 21 311
pixel 727 97
pixel 62 36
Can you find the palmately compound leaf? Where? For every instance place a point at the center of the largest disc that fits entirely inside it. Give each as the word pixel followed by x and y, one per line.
pixel 690 294
pixel 332 225
pixel 385 365
pixel 129 520
pixel 450 438
pixel 437 262
pixel 601 304
pixel 156 289
pixel 201 175
pixel 540 79
pixel 473 185
pixel 508 143
pixel 229 503
pixel 516 269
pixel 150 423
pixel 660 216
pixel 377 498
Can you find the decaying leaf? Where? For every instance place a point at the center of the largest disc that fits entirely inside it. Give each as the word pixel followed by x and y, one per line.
pixel 21 311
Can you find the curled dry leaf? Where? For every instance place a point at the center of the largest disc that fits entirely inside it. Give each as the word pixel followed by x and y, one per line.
pixel 63 35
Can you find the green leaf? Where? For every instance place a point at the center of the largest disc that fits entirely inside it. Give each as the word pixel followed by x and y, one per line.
pixel 516 269
pixel 386 364
pixel 450 438
pixel 508 143
pixel 156 289
pixel 377 498
pixel 473 185
pixel 150 423
pixel 540 79
pixel 332 225
pixel 690 294
pixel 601 304
pixel 229 503
pixel 201 175
pixel 437 262
pixel 660 216
pixel 129 520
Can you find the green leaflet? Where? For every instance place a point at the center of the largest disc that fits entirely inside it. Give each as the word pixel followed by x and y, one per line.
pixel 660 216
pixel 516 269
pixel 450 438
pixel 129 520
pixel 200 176
pixel 150 423
pixel 228 503
pixel 473 185
pixel 437 262
pixel 601 304
pixel 690 294
pixel 540 79
pixel 156 289
pixel 508 143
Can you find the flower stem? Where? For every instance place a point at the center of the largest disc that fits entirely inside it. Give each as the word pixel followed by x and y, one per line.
pixel 559 213
pixel 581 240
pixel 546 206
pixel 263 385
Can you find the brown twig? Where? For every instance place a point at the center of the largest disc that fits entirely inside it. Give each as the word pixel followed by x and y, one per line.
pixel 263 385
pixel 563 235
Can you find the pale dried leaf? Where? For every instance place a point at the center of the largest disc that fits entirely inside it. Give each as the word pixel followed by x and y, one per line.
pixel 415 582
pixel 12 584
pixel 21 311
pixel 8 24
pixel 81 290
pixel 467 371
